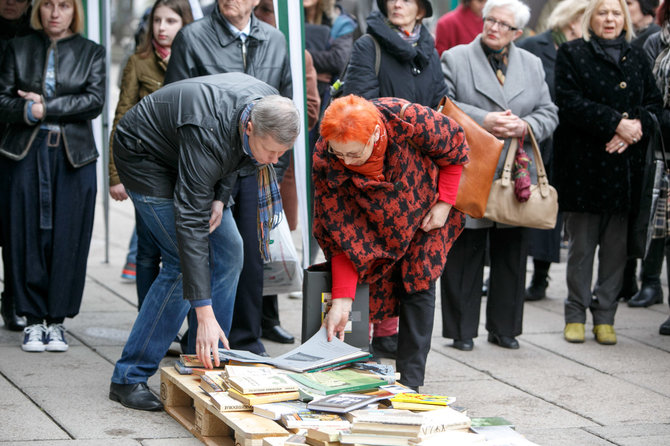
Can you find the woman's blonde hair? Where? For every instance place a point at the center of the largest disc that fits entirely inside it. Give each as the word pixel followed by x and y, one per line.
pixel 77 25
pixel 591 9
pixel 565 13
pixel 326 7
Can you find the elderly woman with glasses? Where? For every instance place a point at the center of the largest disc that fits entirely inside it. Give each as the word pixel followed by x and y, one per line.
pixel 606 95
pixel 503 88
pixel 386 174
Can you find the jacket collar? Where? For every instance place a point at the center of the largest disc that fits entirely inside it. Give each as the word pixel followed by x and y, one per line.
pixel 395 45
pixel 226 37
pixel 48 41
pixel 485 79
pixel 547 43
pixel 600 52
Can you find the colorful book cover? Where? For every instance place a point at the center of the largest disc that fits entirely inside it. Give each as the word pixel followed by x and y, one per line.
pixel 337 381
pixel 420 398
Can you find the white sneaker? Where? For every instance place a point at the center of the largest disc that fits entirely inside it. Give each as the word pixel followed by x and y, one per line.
pixel 33 338
pixel 55 338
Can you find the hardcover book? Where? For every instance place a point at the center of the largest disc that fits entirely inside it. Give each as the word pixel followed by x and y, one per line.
pixel 342 402
pixel 253 399
pixel 372 439
pixel 258 380
pixel 274 411
pixel 337 381
pixel 223 402
pixel 314 420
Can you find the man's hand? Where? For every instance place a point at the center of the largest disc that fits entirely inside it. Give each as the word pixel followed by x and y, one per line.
pixel 436 217
pixel 337 317
pixel 504 124
pixel 207 339
pixel 217 212
pixel 118 192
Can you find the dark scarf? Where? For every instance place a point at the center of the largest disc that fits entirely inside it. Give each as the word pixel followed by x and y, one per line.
pixel 498 60
pixel 661 68
pixel 269 200
pixel 612 47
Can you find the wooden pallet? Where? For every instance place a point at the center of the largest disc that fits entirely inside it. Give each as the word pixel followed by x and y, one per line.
pixel 187 403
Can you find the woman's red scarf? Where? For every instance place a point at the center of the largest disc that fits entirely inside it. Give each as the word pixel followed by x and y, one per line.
pixel 162 51
pixel 373 168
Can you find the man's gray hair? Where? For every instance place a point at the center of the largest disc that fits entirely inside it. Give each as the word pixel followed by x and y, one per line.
pixel 277 117
pixel 520 10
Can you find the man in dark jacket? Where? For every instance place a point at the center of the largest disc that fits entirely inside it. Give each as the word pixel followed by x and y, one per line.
pixel 176 152
pixel 232 39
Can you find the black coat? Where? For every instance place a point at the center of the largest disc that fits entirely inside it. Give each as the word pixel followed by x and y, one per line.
pixel 593 94
pixel 409 72
pixel 79 97
pixel 183 142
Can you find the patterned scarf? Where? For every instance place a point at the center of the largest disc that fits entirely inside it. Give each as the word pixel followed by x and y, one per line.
pixel 498 60
pixel 662 65
pixel 520 172
pixel 411 38
pixel 162 51
pixel 269 200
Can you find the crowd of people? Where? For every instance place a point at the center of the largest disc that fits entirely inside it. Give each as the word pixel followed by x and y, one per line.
pixel 201 145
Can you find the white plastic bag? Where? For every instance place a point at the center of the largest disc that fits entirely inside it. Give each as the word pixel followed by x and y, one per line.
pixel 283 272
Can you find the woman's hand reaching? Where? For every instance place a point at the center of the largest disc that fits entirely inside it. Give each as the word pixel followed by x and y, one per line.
pixel 337 317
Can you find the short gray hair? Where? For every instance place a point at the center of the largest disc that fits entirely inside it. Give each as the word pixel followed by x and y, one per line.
pixel 520 10
pixel 277 117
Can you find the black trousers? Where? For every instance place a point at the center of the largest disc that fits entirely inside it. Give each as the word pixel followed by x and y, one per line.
pixel 245 331
pixel 415 330
pixel 462 282
pixel 46 208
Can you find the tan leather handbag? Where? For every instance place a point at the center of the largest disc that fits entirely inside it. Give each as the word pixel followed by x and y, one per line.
pixel 539 211
pixel 478 173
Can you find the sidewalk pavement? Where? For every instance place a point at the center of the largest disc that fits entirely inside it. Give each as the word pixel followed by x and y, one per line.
pixel 555 393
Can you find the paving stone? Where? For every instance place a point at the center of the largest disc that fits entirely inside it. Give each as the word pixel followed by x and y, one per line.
pixel 96 442
pixel 563 437
pixel 17 413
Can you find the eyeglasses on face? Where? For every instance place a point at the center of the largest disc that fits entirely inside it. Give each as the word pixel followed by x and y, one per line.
pixel 353 155
pixel 501 25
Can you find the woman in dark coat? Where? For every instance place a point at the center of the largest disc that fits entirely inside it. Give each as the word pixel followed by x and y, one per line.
pixel 386 174
pixel 606 94
pixel 564 25
pixel 52 84
pixel 409 66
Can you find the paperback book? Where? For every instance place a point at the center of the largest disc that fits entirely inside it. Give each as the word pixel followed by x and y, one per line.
pixel 223 402
pixel 212 382
pixel 315 353
pixel 420 401
pixel 274 411
pixel 337 381
pixel 253 399
pixel 258 380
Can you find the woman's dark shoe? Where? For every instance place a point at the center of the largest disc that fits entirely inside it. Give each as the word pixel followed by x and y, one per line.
pixel 648 295
pixel 385 346
pixel 665 328
pixel 503 341
pixel 465 345
pixel 136 396
pixel 11 320
pixel 537 290
pixel 278 334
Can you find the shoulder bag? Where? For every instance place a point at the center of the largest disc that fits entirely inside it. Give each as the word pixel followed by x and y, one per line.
pixel 539 211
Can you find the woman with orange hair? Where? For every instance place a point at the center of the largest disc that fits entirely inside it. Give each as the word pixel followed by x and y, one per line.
pixel 386 174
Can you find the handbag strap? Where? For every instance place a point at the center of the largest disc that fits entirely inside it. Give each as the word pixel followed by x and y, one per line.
pixel 657 128
pixel 542 180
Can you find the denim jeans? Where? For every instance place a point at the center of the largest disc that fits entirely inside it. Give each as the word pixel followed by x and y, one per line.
pixel 132 248
pixel 164 308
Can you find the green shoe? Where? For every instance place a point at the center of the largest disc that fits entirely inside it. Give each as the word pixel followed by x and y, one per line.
pixel 605 334
pixel 574 332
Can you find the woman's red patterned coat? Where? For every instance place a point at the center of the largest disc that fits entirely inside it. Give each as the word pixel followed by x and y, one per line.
pixel 376 223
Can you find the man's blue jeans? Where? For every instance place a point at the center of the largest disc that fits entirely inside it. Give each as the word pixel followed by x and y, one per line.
pixel 164 307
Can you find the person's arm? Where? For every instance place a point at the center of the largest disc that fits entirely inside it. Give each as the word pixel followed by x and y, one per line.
pixel 128 96
pixel 344 278
pixel 312 92
pixel 361 78
pixel 180 59
pixel 13 108
pixel 544 117
pixel 334 59
pixel 85 105
pixel 450 60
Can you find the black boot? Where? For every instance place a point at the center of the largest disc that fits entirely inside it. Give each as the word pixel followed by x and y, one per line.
pixel 629 287
pixel 648 295
pixel 540 281
pixel 665 328
pixel 12 321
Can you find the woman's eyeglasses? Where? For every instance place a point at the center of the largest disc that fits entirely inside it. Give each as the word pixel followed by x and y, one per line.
pixel 501 25
pixel 353 155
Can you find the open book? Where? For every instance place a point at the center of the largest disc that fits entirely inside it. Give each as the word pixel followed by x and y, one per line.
pixel 317 352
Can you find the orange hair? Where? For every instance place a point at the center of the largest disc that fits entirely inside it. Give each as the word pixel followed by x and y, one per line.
pixel 350 118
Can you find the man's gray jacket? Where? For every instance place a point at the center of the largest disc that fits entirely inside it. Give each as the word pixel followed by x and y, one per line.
pixel 182 141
